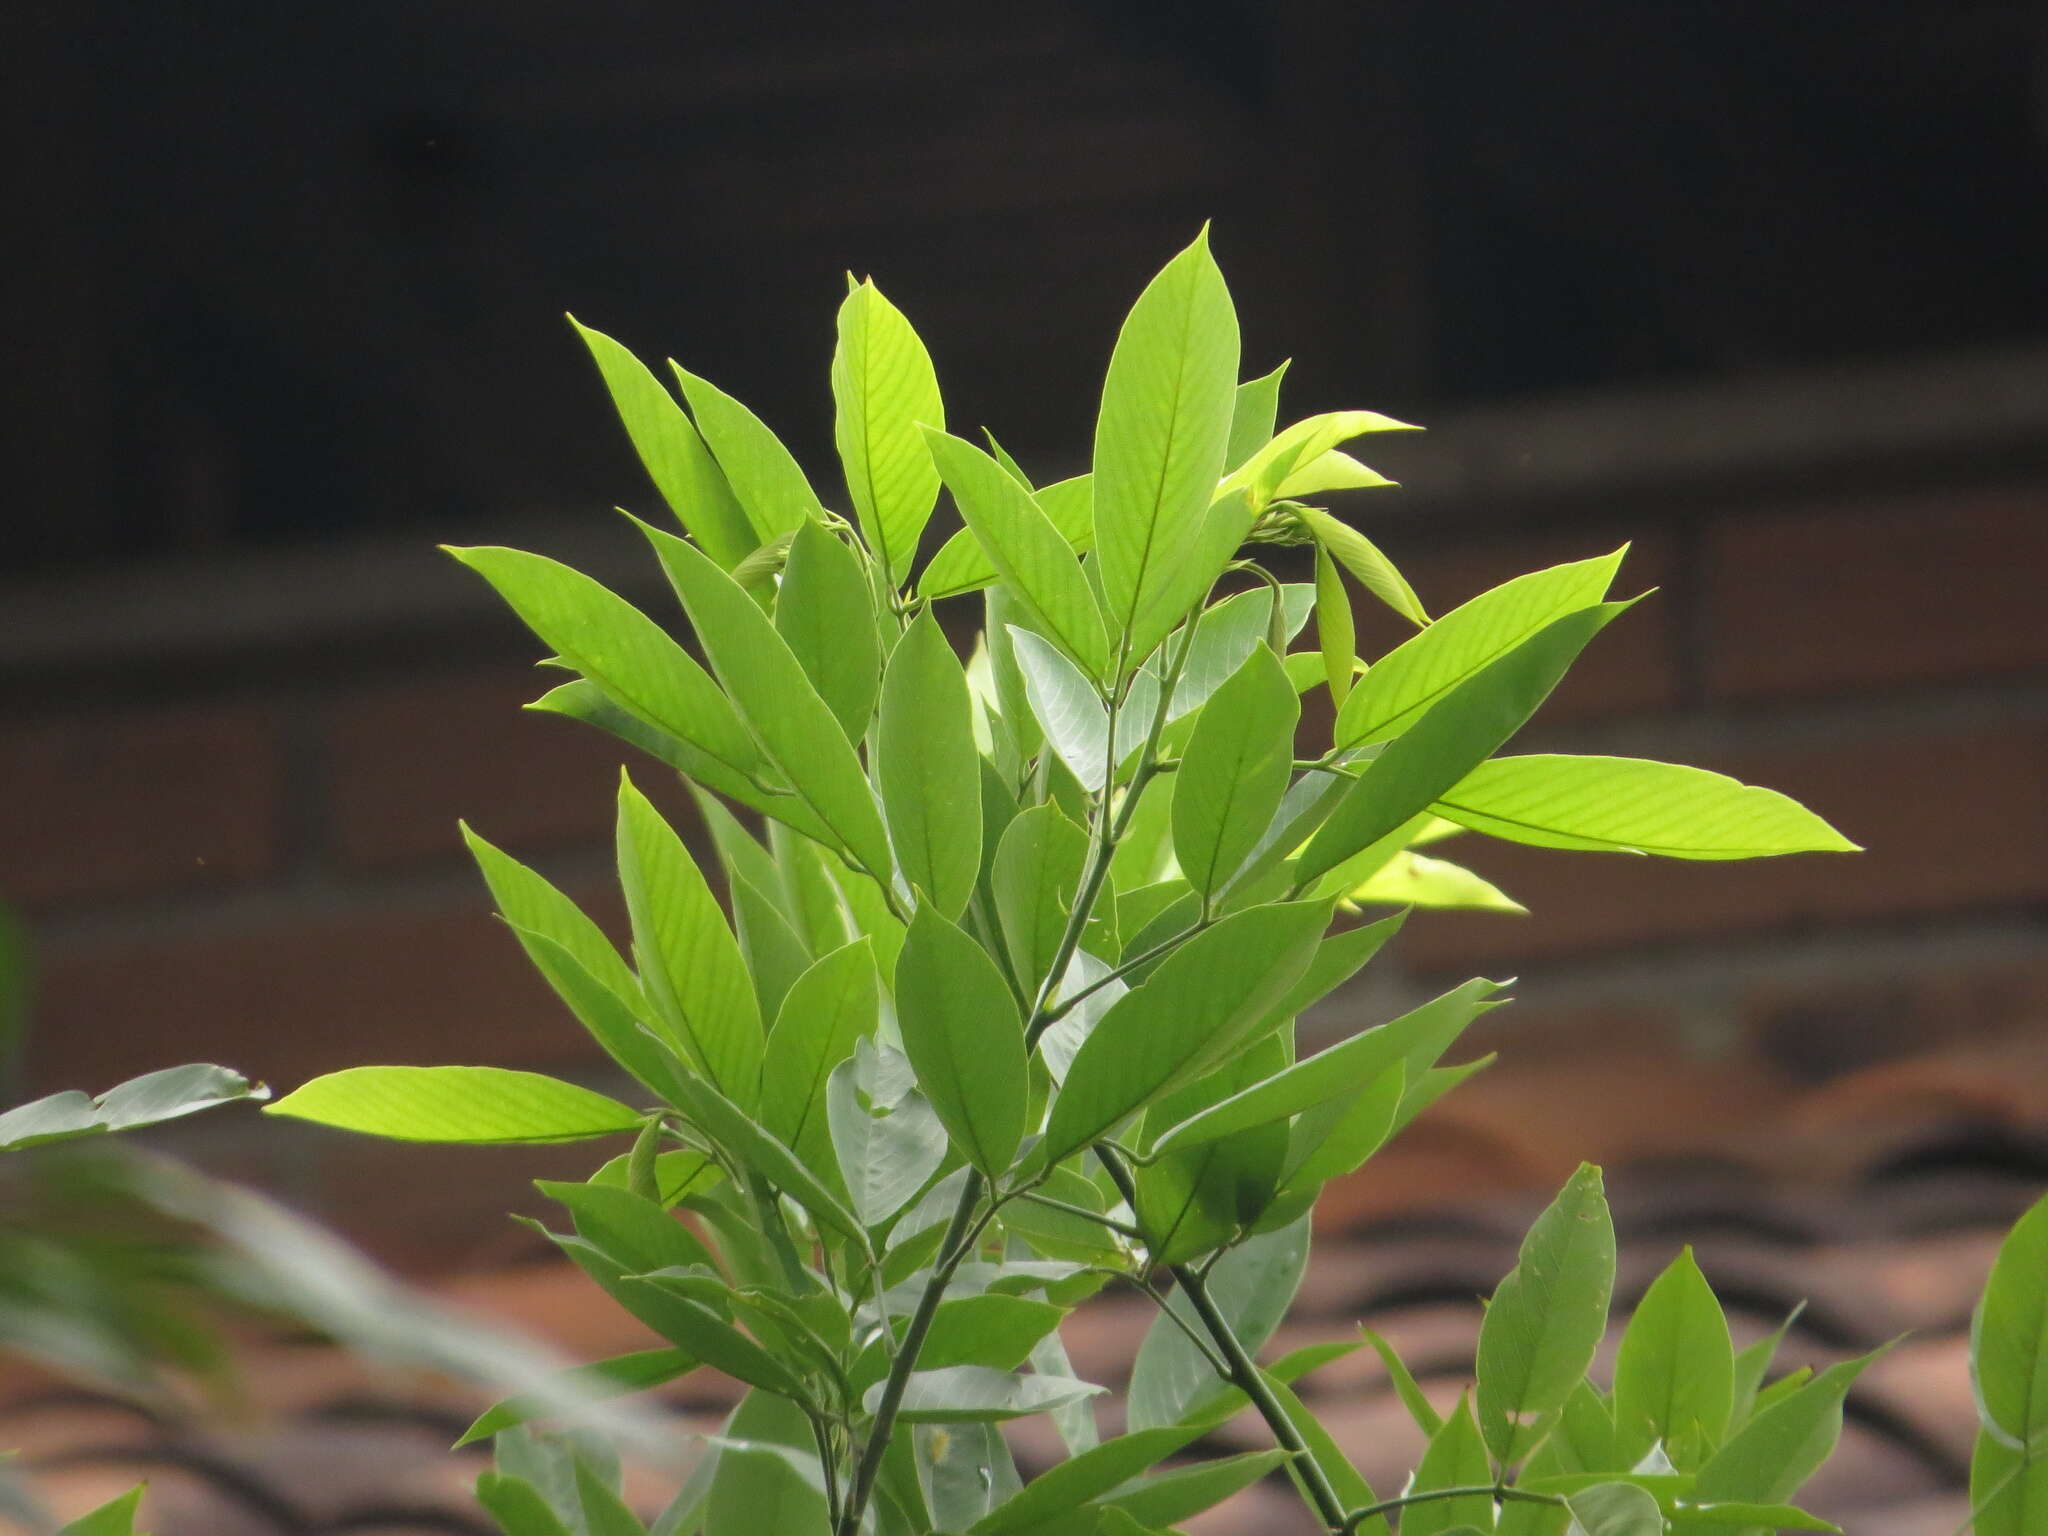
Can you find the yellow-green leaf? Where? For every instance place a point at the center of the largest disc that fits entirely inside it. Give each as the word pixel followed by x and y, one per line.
pixel 484 1105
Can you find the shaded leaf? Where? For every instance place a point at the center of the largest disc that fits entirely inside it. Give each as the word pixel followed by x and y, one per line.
pixel 1674 1379
pixel 827 1009
pixel 975 1394
pixel 1234 771
pixel 884 1158
pixel 963 1032
pixel 928 769
pixel 615 1377
pixel 1546 1318
pixel 1455 1458
pixel 825 612
pixel 1193 1012
pixel 1341 1070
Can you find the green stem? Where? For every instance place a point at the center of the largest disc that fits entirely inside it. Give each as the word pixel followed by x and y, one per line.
pixel 957 1244
pixel 1083 1212
pixel 1506 1495
pixel 1241 1371
pixel 1158 951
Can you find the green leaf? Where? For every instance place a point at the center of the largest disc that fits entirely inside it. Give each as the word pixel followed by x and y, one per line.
pixel 1036 876
pixel 483 1105
pixel 1336 631
pixel 1412 879
pixel 2008 1489
pixel 763 476
pixel 1195 1011
pixel 604 1512
pixel 1752 1362
pixel 885 388
pixel 150 1099
pixel 928 769
pixel 884 1158
pixel 1193 1202
pixel 2009 1338
pixel 1334 471
pixel 1785 1443
pixel 694 1327
pixel 1264 475
pixel 1426 666
pixel 1066 707
pixel 768 1482
pixel 974 1394
pixel 798 731
pixel 1731 1515
pixel 1455 1458
pixel 585 701
pixel 1187 581
pixel 830 1006
pixel 1032 557
pixel 1362 558
pixel 1252 1286
pixel 517 1506
pixel 1616 1509
pixel 625 653
pixel 1234 771
pixel 963 1033
pixel 1075 1482
pixel 730 1128
pixel 963 564
pixel 1426 1418
pixel 1224 640
pixel 1156 1502
pixel 114 1518
pixel 602 1379
pixel 1546 1319
pixel 1674 1379
pixel 1338 958
pixel 1254 410
pixel 827 615
pixel 1456 734
pixel 1628 805
pixel 577 960
pixel 994 1331
pixel 677 461
pixel 704 1000
pixel 1164 427
pixel 1341 1071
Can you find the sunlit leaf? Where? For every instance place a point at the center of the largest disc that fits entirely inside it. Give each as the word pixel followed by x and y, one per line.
pixel 780 705
pixel 1428 665
pixel 764 478
pixel 1164 427
pixel 1455 735
pixel 1031 555
pixel 1362 558
pixel 827 1009
pixel 691 964
pixel 1628 805
pixel 677 461
pixel 1253 412
pixel 490 1105
pixel 885 388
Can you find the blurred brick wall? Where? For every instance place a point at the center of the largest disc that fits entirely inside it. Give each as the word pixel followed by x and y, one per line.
pixel 251 856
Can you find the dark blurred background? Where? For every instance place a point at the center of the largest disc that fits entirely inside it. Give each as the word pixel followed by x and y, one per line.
pixel 1762 287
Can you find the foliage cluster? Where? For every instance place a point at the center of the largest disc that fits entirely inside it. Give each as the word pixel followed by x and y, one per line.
pixel 1004 1011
